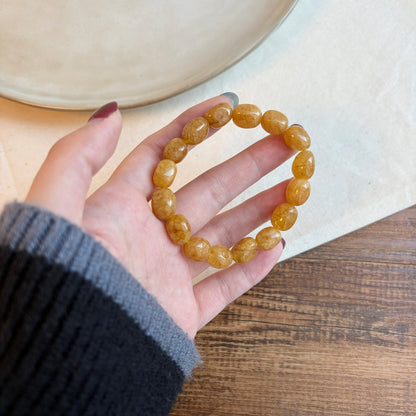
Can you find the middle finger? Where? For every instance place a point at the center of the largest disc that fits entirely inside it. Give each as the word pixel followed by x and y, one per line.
pixel 206 195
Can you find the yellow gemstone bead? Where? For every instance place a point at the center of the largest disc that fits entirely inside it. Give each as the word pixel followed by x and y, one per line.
pixel 164 173
pixel 163 203
pixel 219 115
pixel 245 250
pixel 268 238
pixel 195 131
pixel 284 216
pixel 197 249
pixel 175 150
pixel 246 116
pixel 178 229
pixel 220 257
pixel 274 122
pixel 296 137
pixel 298 191
pixel 303 166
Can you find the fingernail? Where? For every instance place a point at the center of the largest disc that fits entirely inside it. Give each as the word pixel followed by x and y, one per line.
pixel 283 243
pixel 105 111
pixel 233 97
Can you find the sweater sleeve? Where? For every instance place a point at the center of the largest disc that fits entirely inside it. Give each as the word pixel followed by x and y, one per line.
pixel 78 334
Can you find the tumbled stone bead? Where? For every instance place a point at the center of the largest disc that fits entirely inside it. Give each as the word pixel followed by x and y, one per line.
pixel 178 229
pixel 195 131
pixel 246 116
pixel 274 122
pixel 175 150
pixel 298 191
pixel 303 166
pixel 220 257
pixel 163 203
pixel 267 238
pixel 296 137
pixel 245 250
pixel 164 173
pixel 219 115
pixel 197 249
pixel 284 216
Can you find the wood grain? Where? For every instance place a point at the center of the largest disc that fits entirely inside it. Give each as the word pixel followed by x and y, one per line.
pixel 329 332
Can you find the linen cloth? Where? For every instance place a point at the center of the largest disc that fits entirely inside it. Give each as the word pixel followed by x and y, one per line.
pixel 346 71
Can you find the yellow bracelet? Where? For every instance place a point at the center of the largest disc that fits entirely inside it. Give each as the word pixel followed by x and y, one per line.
pixel 284 215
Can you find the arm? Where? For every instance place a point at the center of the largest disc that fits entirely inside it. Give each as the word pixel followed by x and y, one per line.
pixel 79 335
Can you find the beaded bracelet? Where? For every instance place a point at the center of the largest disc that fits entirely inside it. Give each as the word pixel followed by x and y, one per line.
pixel 284 215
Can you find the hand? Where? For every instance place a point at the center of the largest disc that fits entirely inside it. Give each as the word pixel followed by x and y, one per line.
pixel 118 214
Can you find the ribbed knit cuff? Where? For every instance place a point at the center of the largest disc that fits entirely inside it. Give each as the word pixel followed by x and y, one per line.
pixel 40 233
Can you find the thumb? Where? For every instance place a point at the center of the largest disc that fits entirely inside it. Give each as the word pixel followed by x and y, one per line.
pixel 62 183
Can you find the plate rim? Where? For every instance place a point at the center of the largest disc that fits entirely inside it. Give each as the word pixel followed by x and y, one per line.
pixel 185 87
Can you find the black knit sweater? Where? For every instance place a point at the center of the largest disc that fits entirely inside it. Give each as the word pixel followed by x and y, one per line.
pixel 78 334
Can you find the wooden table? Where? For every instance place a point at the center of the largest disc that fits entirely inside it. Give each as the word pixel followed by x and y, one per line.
pixel 329 332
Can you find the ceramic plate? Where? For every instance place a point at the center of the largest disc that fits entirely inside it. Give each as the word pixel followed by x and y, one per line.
pixel 82 53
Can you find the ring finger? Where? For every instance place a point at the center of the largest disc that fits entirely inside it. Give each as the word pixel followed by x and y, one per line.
pixel 230 226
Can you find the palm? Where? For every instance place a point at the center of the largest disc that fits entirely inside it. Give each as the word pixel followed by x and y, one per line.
pixel 139 241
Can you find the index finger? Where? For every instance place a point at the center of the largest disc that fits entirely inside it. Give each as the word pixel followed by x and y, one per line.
pixel 137 168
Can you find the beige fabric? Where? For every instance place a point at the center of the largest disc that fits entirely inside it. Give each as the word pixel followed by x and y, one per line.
pixel 344 70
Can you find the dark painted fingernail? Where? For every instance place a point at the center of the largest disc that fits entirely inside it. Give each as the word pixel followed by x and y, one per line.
pixel 233 97
pixel 105 111
pixel 283 243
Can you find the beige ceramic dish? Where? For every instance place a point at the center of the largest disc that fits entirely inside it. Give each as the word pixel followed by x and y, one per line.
pixel 80 54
